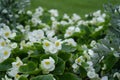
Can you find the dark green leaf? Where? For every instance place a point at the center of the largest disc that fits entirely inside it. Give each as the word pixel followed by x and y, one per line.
pixel 64 56
pixel 7 64
pixel 68 48
pixel 69 76
pixel 43 77
pixel 60 67
pixel 28 68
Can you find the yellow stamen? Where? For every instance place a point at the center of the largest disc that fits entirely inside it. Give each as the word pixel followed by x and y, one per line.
pixel 5 53
pixel 7 34
pixel 18 64
pixel 57 43
pixel 47 44
pixel 78 60
pixel 47 62
pixel 2 43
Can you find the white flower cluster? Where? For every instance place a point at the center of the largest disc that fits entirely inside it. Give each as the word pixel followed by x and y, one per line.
pixel 5 44
pixel 51 33
pixel 98 17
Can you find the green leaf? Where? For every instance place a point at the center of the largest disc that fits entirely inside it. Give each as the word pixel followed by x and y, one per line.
pixel 23 78
pixel 83 72
pixel 43 77
pixel 68 48
pixel 69 76
pixel 60 67
pixel 5 65
pixel 110 61
pixel 64 56
pixel 29 68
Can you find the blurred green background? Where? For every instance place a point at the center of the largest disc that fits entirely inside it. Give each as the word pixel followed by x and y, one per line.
pixel 80 7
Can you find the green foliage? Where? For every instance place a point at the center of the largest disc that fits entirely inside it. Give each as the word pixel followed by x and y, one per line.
pixel 68 48
pixel 69 76
pixel 23 78
pixel 60 67
pixel 28 68
pixel 6 64
pixel 43 77
pixel 65 56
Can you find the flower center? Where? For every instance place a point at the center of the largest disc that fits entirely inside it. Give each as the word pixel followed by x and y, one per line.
pixel 78 60
pixel 5 53
pixel 7 34
pixel 47 62
pixel 2 43
pixel 18 64
pixel 47 44
pixel 57 44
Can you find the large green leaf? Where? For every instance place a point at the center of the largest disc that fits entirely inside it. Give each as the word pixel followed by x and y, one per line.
pixel 68 48
pixel 43 77
pixel 5 65
pixel 29 68
pixel 110 61
pixel 23 78
pixel 65 56
pixel 69 76
pixel 60 67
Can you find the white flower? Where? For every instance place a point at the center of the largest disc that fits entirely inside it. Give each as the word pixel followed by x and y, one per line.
pixel 50 33
pixel 70 41
pixel 64 23
pixel 65 16
pixel 36 35
pixel 4 53
pixel 75 67
pixel 13 72
pixel 5 32
pixel 99 28
pixel 4 11
pixel 93 43
pixel 54 12
pixel 104 78
pixel 76 17
pixel 91 74
pixel 2 43
pixel 97 13
pixel 35 21
pixel 79 60
pixel 77 29
pixel 6 78
pixel 18 63
pixel 91 52
pixel 69 31
pixel 13 45
pixel 12 36
pixel 39 11
pixel 53 49
pixel 21 28
pixel 58 44
pixel 90 63
pixel 17 76
pixel 117 74
pixel 47 65
pixel 29 12
pixel 100 19
pixel 47 45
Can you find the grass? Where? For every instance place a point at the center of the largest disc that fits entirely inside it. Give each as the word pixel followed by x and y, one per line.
pixel 80 7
